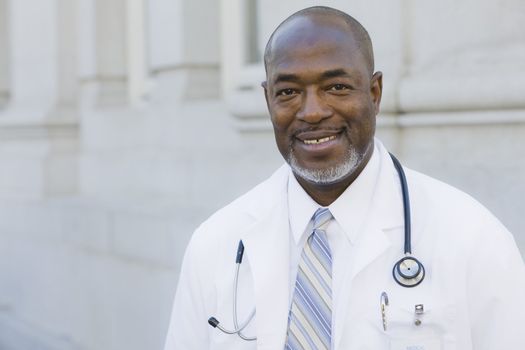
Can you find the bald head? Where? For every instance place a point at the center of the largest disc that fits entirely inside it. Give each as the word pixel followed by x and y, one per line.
pixel 326 17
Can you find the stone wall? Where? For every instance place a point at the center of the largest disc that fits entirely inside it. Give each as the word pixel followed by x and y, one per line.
pixel 125 123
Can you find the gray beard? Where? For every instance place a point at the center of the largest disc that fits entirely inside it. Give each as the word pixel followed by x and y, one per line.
pixel 327 175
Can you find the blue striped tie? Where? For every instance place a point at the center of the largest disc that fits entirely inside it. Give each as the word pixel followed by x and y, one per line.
pixel 310 319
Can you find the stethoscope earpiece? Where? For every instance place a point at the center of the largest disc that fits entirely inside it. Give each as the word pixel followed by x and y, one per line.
pixel 408 272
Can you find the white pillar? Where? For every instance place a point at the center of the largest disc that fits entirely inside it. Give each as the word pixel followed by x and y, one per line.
pixel 39 148
pixel 184 37
pixel 32 42
pixel 233 44
pixel 4 49
pixel 66 104
pixel 121 51
pixel 136 51
pixel 60 168
pixel 110 51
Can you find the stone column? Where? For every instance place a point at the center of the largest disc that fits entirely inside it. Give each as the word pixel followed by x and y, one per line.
pixel 110 51
pixel 67 94
pixel 120 49
pixel 188 67
pixel 38 127
pixel 31 57
pixel 136 51
pixel 4 49
pixel 60 166
pixel 201 46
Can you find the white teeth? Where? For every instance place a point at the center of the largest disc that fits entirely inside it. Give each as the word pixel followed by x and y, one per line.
pixel 318 141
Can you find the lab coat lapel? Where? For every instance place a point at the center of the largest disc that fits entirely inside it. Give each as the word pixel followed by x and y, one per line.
pixel 267 248
pixel 386 212
pixel 372 244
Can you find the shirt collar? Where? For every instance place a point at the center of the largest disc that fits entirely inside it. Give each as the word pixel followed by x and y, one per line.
pixel 349 210
pixel 301 207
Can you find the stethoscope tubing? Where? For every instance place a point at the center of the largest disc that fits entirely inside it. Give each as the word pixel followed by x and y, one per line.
pixel 252 314
pixel 406 204
pixel 237 328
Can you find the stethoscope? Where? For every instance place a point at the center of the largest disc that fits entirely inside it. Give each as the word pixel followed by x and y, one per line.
pixel 407 272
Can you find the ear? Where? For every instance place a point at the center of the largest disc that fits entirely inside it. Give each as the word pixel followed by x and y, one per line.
pixel 264 85
pixel 376 89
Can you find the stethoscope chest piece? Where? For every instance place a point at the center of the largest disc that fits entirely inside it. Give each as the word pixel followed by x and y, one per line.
pixel 408 272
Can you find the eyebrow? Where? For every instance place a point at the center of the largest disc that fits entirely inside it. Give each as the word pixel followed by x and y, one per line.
pixel 286 78
pixel 333 73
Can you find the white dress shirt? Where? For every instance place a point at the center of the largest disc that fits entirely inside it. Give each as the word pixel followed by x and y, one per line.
pixel 349 212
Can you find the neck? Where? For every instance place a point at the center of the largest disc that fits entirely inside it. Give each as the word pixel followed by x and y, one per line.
pixel 326 194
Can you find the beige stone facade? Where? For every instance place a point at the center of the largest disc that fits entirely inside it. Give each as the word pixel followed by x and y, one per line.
pixel 125 123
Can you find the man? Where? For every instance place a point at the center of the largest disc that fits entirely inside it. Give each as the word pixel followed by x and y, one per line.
pixel 322 235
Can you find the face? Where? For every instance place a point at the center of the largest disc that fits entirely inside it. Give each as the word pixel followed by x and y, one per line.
pixel 322 100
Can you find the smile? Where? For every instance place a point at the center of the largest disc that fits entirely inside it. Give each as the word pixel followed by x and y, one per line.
pixel 319 141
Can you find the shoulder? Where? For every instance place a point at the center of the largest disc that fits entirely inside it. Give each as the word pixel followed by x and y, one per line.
pixel 454 228
pixel 443 197
pixel 228 222
pixel 453 213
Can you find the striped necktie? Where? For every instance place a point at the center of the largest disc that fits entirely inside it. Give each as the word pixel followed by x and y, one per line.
pixel 310 319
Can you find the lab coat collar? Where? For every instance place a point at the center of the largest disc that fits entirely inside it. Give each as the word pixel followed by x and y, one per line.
pixel 351 208
pixel 386 208
pixel 379 181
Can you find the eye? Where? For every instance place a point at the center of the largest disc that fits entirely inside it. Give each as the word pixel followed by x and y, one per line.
pixel 286 92
pixel 339 87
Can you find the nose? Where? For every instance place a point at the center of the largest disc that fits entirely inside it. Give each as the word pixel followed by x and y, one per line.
pixel 313 109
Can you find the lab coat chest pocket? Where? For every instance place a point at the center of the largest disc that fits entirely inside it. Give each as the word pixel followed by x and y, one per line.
pixel 417 319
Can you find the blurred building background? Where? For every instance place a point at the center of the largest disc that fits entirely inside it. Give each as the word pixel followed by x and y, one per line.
pixel 125 123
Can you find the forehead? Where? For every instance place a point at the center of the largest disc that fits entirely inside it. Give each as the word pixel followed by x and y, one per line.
pixel 314 44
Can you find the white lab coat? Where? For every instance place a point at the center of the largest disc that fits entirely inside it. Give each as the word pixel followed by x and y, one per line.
pixel 473 294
